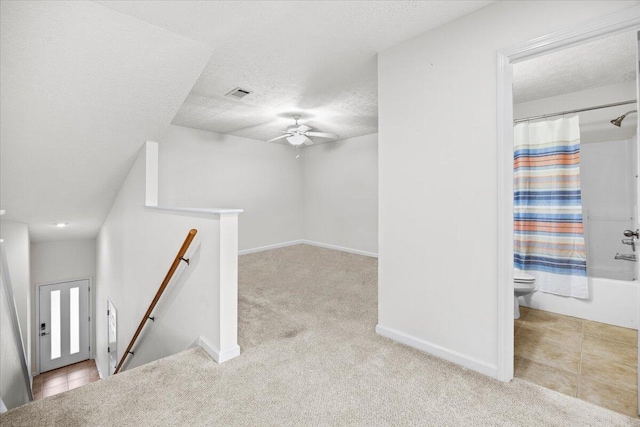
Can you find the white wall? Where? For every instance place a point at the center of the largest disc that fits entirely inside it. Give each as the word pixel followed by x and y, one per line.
pixel 135 248
pixel 595 125
pixel 16 247
pixel 438 176
pixel 61 261
pixel 13 386
pixel 607 175
pixel 327 196
pixel 341 193
pixel 206 169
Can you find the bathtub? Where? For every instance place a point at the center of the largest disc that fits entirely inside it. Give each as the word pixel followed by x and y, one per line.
pixel 616 302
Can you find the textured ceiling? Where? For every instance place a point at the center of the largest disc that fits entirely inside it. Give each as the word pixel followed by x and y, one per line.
pixel 316 58
pixel 595 73
pixel 604 62
pixel 81 89
pixel 83 86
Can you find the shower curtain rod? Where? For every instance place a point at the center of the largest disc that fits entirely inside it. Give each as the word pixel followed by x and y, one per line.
pixel 544 116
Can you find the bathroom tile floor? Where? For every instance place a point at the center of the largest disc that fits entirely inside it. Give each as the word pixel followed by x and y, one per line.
pixel 592 361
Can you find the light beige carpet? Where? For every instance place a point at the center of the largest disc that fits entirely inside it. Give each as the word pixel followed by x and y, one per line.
pixel 310 356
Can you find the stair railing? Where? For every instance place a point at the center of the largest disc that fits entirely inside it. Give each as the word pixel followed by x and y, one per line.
pixel 165 282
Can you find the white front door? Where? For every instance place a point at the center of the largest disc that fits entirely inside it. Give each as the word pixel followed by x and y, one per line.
pixel 64 324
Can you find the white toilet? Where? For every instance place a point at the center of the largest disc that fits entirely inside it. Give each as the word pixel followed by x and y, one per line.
pixel 523 284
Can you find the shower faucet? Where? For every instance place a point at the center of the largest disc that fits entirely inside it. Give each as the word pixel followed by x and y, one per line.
pixel 626 257
pixel 631 242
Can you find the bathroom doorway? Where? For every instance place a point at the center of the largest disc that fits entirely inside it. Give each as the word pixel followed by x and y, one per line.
pixel 574 212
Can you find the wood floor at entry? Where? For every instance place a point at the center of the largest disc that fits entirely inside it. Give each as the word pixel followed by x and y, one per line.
pixel 63 324
pixel 64 379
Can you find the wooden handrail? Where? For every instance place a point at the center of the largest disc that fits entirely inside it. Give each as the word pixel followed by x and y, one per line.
pixel 165 282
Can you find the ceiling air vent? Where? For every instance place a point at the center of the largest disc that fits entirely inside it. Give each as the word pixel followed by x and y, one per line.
pixel 238 93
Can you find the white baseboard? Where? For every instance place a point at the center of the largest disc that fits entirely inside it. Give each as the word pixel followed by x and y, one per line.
pixel 307 242
pixel 228 354
pixel 97 362
pixel 269 247
pixel 99 370
pixel 439 351
pixel 3 407
pixel 339 248
pixel 219 356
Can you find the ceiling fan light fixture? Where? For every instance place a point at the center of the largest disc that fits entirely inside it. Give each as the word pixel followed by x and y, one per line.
pixel 296 139
pixel 298 135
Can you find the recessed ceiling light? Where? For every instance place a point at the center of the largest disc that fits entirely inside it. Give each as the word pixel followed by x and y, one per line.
pixel 2 212
pixel 61 224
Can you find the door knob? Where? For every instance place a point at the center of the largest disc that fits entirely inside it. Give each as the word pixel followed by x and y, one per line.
pixel 45 333
pixel 629 233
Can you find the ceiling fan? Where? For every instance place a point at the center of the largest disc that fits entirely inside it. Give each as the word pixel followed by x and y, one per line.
pixel 298 135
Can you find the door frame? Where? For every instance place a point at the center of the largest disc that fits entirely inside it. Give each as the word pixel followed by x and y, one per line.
pixel 36 326
pixel 619 22
pixel 109 306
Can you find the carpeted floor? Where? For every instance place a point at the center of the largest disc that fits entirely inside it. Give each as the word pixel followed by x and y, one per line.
pixel 310 356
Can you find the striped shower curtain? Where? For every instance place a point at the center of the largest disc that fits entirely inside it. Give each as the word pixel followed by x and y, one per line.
pixel 549 238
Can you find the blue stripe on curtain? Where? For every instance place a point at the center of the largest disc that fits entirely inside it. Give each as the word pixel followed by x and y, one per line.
pixel 529 152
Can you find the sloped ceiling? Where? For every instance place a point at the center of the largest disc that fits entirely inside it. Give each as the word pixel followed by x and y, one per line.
pixel 82 88
pixel 84 84
pixel 316 58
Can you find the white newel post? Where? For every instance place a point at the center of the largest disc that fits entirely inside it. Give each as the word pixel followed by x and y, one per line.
pixel 228 287
pixel 227 345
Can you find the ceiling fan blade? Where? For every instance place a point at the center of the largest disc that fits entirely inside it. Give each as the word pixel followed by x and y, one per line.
pixel 322 135
pixel 303 128
pixel 308 142
pixel 278 137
